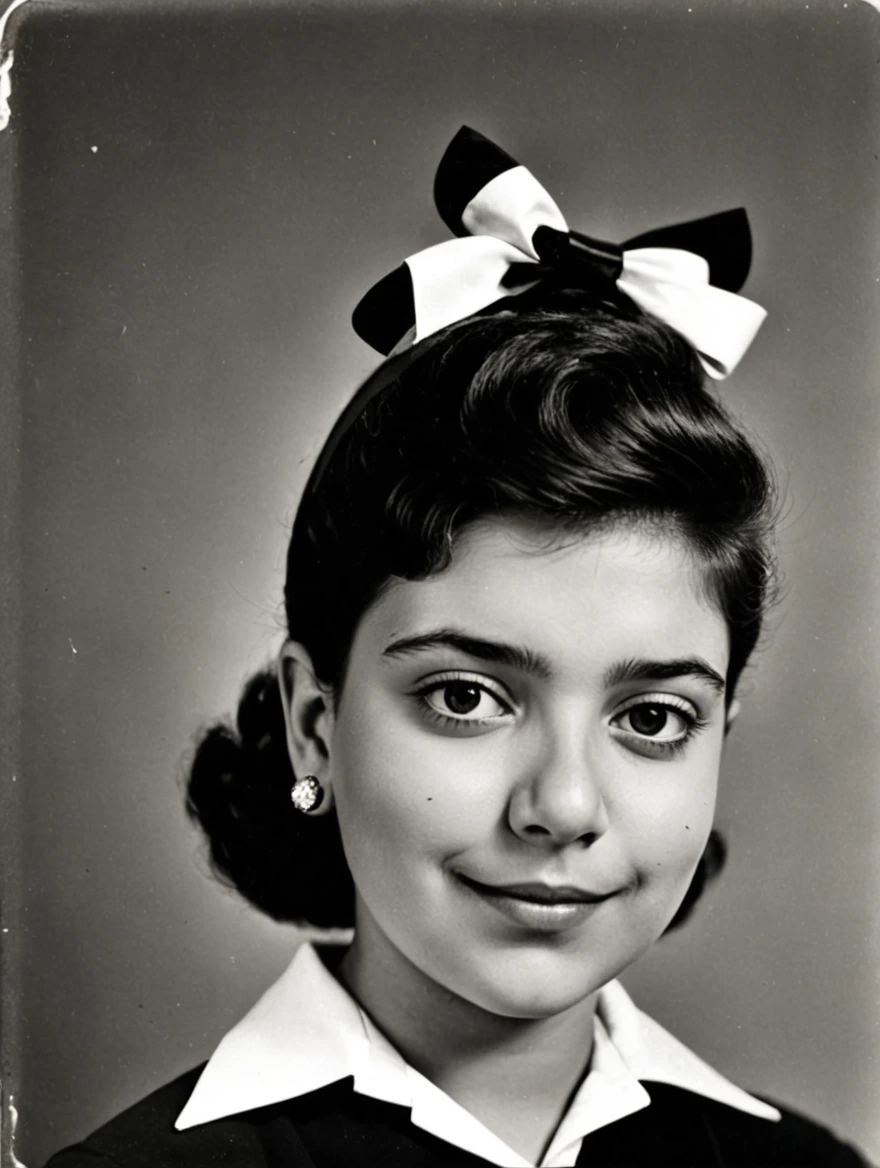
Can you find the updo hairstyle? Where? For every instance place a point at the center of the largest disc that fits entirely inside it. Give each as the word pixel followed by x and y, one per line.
pixel 578 409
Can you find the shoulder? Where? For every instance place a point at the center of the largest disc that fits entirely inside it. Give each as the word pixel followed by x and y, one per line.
pixel 795 1139
pixel 740 1140
pixel 144 1136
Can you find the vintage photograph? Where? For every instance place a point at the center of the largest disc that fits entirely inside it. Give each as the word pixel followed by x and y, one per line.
pixel 439 540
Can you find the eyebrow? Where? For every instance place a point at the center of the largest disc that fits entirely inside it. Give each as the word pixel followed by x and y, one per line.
pixel 642 670
pixel 519 657
pixel 497 652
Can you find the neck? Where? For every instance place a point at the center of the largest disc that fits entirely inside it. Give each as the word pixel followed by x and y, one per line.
pixel 516 1075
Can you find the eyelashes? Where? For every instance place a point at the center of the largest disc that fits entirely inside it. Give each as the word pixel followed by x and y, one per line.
pixel 655 725
pixel 460 699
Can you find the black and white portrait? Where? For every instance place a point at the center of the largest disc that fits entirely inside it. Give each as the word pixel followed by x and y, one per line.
pixel 440 526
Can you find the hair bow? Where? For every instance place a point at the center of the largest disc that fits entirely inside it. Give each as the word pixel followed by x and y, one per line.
pixel 512 235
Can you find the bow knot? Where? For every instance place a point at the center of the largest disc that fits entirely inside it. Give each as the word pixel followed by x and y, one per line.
pixel 587 261
pixel 512 235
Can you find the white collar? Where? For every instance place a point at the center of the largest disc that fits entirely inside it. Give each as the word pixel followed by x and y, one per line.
pixel 307 1032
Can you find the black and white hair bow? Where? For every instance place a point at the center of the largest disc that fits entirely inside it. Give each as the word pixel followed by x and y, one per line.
pixel 512 235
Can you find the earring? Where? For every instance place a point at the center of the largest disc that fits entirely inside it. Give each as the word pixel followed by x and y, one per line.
pixel 307 794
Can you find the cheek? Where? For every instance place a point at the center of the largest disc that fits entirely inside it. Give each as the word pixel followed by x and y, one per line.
pixel 670 823
pixel 406 796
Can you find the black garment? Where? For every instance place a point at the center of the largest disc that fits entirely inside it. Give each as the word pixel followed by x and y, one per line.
pixel 336 1128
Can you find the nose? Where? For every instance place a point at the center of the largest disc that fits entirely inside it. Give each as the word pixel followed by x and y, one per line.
pixel 560 799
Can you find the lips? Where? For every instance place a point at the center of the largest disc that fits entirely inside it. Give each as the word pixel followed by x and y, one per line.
pixel 537 893
pixel 535 907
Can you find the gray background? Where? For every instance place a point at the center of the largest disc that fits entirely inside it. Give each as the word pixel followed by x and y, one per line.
pixel 198 198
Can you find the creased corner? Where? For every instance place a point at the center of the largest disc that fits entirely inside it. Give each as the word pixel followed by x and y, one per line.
pixel 14 1161
pixel 6 67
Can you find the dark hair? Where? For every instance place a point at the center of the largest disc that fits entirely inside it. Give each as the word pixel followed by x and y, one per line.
pixel 580 409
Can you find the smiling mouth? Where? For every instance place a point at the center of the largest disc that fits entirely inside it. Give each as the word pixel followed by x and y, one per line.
pixel 535 893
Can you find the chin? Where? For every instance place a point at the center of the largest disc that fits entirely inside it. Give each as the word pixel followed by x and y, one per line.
pixel 538 980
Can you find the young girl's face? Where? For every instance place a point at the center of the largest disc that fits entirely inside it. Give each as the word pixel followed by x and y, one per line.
pixel 525 759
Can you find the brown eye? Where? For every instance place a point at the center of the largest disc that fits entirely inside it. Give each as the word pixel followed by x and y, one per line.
pixel 655 720
pixel 461 697
pixel 648 720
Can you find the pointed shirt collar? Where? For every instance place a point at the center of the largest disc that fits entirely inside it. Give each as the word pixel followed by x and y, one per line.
pixel 307 1032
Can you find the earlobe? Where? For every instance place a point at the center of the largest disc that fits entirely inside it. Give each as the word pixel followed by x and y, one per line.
pixel 308 719
pixel 732 715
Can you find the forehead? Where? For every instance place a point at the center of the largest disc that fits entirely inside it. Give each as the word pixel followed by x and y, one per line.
pixel 583 601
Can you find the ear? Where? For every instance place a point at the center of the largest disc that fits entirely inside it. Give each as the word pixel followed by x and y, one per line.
pixel 732 715
pixel 308 718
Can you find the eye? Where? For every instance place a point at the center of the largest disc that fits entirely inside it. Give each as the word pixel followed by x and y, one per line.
pixel 658 720
pixel 463 700
pixel 653 720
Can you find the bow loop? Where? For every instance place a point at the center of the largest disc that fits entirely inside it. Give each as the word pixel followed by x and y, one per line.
pixel 512 235
pixel 724 240
pixel 469 163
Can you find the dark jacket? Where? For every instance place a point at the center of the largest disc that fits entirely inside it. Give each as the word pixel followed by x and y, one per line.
pixel 336 1128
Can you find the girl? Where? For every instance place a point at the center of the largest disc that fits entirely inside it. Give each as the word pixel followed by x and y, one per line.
pixel 524 579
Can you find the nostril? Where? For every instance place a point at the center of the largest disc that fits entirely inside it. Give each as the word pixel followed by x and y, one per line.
pixel 537 829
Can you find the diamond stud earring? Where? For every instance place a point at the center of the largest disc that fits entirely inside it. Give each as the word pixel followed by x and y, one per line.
pixel 307 794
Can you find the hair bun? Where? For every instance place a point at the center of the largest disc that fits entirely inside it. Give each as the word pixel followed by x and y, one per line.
pixel 288 865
